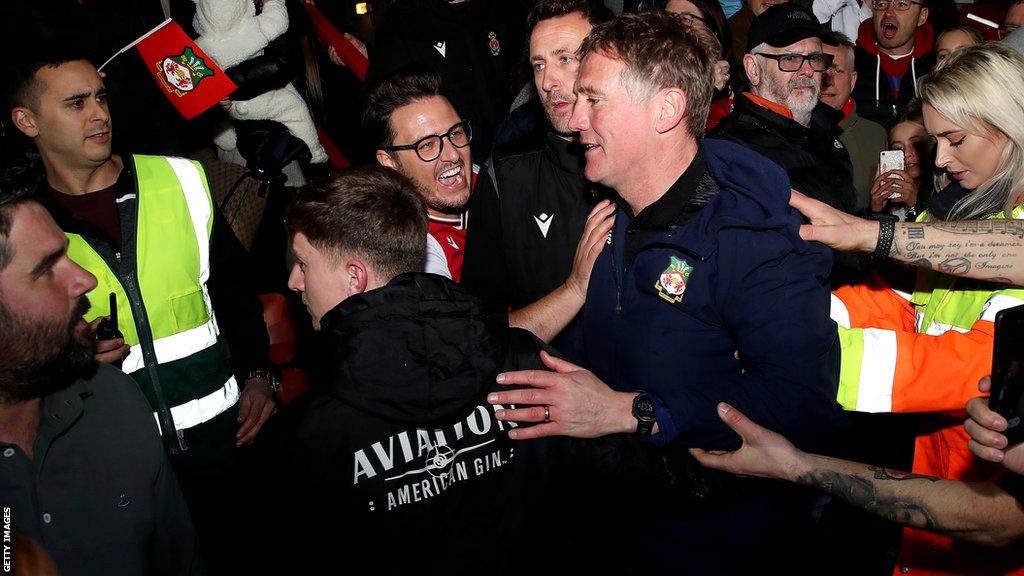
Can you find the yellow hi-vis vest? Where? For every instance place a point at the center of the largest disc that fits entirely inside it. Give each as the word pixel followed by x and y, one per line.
pixel 931 364
pixel 164 295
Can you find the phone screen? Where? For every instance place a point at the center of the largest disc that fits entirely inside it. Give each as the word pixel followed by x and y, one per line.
pixel 1008 371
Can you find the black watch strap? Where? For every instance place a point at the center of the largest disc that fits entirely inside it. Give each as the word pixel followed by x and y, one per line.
pixel 643 411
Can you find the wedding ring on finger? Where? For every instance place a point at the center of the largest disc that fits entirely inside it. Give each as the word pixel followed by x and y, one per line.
pixel 547 414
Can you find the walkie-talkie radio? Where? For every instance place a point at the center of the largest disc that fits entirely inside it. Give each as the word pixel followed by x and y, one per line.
pixel 107 328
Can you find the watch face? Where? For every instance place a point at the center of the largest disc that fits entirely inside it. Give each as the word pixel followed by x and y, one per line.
pixel 643 408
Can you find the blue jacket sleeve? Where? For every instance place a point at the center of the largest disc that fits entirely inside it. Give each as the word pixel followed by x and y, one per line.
pixel 773 298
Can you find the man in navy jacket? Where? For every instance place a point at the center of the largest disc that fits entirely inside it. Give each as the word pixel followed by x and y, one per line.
pixel 704 293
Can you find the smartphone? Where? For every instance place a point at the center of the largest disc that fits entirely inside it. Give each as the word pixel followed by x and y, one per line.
pixel 1007 397
pixel 891 160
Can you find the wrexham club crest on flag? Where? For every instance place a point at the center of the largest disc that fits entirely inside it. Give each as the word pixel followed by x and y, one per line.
pixel 188 77
pixel 672 282
pixel 184 72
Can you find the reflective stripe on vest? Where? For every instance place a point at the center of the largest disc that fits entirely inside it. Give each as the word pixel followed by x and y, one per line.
pixel 203 409
pixel 868 369
pixel 946 302
pixel 943 303
pixel 172 267
pixel 175 345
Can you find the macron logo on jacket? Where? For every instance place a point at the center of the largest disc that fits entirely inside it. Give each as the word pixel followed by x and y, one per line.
pixel 543 221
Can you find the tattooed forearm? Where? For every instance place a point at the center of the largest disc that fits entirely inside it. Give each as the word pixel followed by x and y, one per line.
pixel 866 493
pixel 1013 228
pixel 979 512
pixel 983 249
pixel 886 474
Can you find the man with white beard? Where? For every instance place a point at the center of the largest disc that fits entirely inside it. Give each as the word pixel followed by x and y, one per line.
pixel 781 116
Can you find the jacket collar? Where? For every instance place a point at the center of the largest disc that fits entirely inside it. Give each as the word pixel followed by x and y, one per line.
pixel 667 211
pixel 567 153
pixel 769 105
pixel 749 192
pixel 417 350
pixel 849 109
pixel 824 118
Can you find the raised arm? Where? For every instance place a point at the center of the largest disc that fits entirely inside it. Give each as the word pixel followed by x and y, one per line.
pixel 982 249
pixel 982 513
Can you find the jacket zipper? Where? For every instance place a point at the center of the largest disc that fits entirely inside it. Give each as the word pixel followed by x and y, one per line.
pixel 126 276
pixel 615 278
pixel 149 358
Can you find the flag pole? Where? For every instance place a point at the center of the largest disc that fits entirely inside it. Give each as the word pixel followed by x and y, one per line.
pixel 132 45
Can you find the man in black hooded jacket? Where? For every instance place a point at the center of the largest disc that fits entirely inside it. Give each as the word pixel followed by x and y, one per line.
pixel 399 453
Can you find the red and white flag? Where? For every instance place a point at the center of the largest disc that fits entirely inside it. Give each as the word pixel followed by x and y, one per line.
pixel 189 78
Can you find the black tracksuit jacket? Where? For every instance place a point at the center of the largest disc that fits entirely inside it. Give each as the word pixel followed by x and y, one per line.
pixel 525 219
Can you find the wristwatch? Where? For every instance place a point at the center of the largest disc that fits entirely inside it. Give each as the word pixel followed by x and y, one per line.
pixel 272 380
pixel 643 411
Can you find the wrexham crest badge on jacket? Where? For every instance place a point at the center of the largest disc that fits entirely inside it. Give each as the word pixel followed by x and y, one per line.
pixel 672 283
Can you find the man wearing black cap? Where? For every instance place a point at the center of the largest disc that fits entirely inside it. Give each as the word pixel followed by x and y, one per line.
pixel 781 116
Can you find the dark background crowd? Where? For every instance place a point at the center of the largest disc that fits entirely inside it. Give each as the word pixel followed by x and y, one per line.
pixel 817 89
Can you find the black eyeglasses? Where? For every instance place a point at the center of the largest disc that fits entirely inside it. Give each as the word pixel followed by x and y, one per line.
pixel 429 148
pixel 898 5
pixel 819 61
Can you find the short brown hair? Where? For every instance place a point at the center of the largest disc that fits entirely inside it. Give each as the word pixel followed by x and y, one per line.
pixel 659 52
pixel 21 86
pixel 370 210
pixel 593 11
pixel 409 84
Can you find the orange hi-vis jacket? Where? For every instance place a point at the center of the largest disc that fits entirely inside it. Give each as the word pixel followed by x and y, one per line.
pixel 926 352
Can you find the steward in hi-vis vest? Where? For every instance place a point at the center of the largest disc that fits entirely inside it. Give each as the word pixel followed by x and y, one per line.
pixel 159 273
pixel 925 352
pixel 176 352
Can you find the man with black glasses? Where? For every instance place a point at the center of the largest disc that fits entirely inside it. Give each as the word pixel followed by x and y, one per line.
pixel 781 117
pixel 892 55
pixel 418 132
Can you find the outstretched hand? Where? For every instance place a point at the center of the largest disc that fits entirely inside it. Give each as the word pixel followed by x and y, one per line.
pixel 834 228
pixel 764 453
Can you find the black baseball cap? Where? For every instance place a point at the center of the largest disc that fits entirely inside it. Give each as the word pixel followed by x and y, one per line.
pixel 785 24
